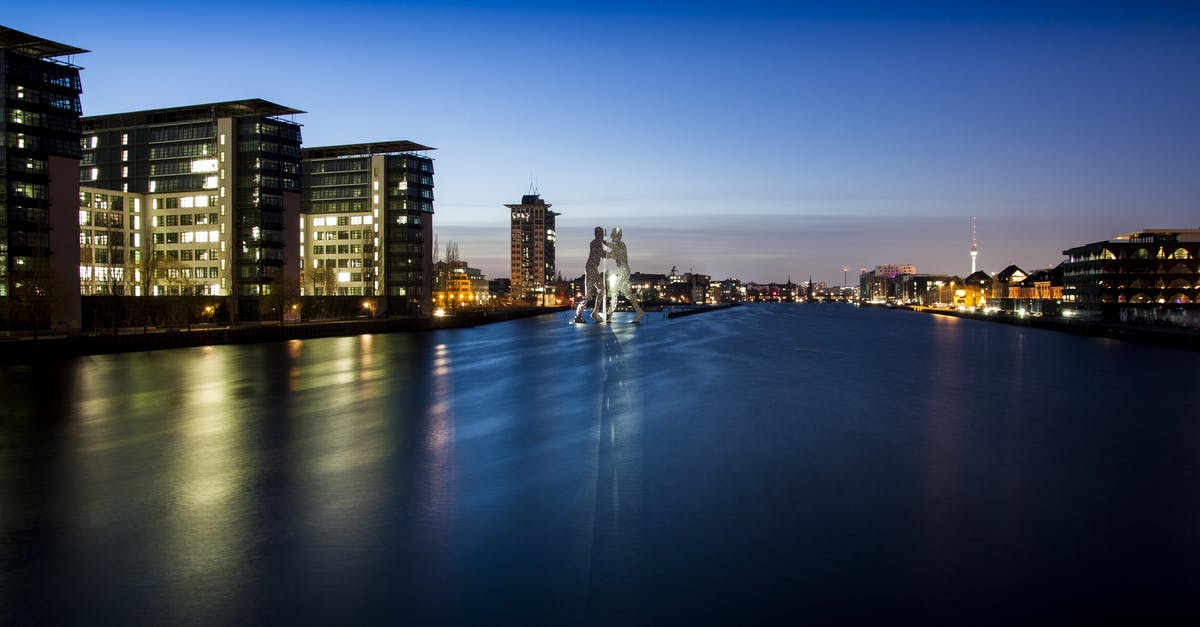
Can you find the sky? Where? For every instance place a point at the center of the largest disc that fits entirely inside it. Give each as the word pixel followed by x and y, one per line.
pixel 745 140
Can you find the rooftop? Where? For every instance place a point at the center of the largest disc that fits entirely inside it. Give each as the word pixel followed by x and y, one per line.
pixel 254 107
pixel 1182 235
pixel 33 46
pixel 363 150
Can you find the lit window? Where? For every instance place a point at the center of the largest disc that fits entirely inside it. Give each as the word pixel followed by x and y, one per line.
pixel 210 182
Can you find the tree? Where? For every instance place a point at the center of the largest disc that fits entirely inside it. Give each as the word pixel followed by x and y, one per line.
pixel 283 295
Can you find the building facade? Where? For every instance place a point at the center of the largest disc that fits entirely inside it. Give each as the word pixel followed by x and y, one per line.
pixel 532 251
pixel 39 162
pixel 367 225
pixel 219 188
pixel 1149 267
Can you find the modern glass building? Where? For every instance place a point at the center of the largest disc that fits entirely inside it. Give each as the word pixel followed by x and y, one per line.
pixel 220 184
pixel 532 251
pixel 39 159
pixel 367 225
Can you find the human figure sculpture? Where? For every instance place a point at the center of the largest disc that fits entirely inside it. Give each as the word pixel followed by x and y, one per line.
pixel 593 279
pixel 620 277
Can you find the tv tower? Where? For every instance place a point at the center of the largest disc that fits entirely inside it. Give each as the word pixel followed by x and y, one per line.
pixel 974 246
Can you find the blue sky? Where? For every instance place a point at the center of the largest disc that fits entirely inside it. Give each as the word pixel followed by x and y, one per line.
pixel 734 139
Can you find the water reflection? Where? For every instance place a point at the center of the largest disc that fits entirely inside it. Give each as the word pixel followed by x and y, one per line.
pixel 616 592
pixel 541 473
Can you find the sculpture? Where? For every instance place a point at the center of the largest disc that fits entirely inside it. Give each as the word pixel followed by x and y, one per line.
pixel 619 280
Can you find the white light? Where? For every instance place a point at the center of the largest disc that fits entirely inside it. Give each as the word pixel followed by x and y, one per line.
pixel 204 165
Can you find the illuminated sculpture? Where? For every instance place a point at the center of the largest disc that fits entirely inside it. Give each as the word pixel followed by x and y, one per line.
pixel 593 280
pixel 619 280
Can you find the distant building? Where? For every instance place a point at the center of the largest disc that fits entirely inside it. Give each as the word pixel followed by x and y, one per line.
pixel 367 224
pixel 532 250
pixel 1007 282
pixel 40 153
pixel 880 285
pixel 930 289
pixel 977 289
pixel 226 170
pixel 895 270
pixel 464 286
pixel 499 288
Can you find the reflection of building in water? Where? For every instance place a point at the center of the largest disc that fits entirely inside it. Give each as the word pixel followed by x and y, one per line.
pixel 367 226
pixel 39 167
pixel 532 250
pixel 220 194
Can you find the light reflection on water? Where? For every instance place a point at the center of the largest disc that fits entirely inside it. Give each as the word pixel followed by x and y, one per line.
pixel 799 459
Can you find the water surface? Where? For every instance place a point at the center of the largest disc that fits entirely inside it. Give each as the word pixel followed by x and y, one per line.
pixel 814 463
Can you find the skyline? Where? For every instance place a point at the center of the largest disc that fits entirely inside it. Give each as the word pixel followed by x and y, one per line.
pixel 749 142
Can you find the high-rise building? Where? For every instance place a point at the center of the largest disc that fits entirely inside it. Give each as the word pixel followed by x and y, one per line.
pixel 220 185
pixel 39 182
pixel 367 225
pixel 532 250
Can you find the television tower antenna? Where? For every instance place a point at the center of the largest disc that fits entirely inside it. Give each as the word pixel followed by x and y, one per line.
pixel 974 246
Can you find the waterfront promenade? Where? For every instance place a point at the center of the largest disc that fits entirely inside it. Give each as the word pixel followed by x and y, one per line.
pixel 1162 335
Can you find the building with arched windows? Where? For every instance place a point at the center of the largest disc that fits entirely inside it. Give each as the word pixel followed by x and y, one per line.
pixel 1147 274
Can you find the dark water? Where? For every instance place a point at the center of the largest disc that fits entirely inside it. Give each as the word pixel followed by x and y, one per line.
pixel 809 464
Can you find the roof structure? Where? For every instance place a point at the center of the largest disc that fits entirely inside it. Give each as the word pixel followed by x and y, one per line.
pixel 363 150
pixel 254 107
pixel 33 46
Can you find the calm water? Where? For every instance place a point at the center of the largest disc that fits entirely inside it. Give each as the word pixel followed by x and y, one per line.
pixel 810 463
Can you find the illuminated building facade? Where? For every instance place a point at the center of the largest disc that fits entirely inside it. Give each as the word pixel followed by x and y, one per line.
pixel 220 189
pixel 1150 267
pixel 39 182
pixel 110 243
pixel 367 225
pixel 532 250
pixel 460 286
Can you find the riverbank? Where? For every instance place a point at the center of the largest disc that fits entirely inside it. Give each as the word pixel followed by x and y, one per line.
pixel 27 349
pixel 1175 337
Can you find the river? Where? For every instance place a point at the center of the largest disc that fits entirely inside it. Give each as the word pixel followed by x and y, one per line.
pixel 819 464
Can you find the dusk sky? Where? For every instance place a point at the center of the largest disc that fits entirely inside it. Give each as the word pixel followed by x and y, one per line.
pixel 732 139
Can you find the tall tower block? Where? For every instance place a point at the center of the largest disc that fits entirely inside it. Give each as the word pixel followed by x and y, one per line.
pixel 532 252
pixel 974 246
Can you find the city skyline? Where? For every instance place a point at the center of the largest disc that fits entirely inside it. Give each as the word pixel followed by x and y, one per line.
pixel 754 142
